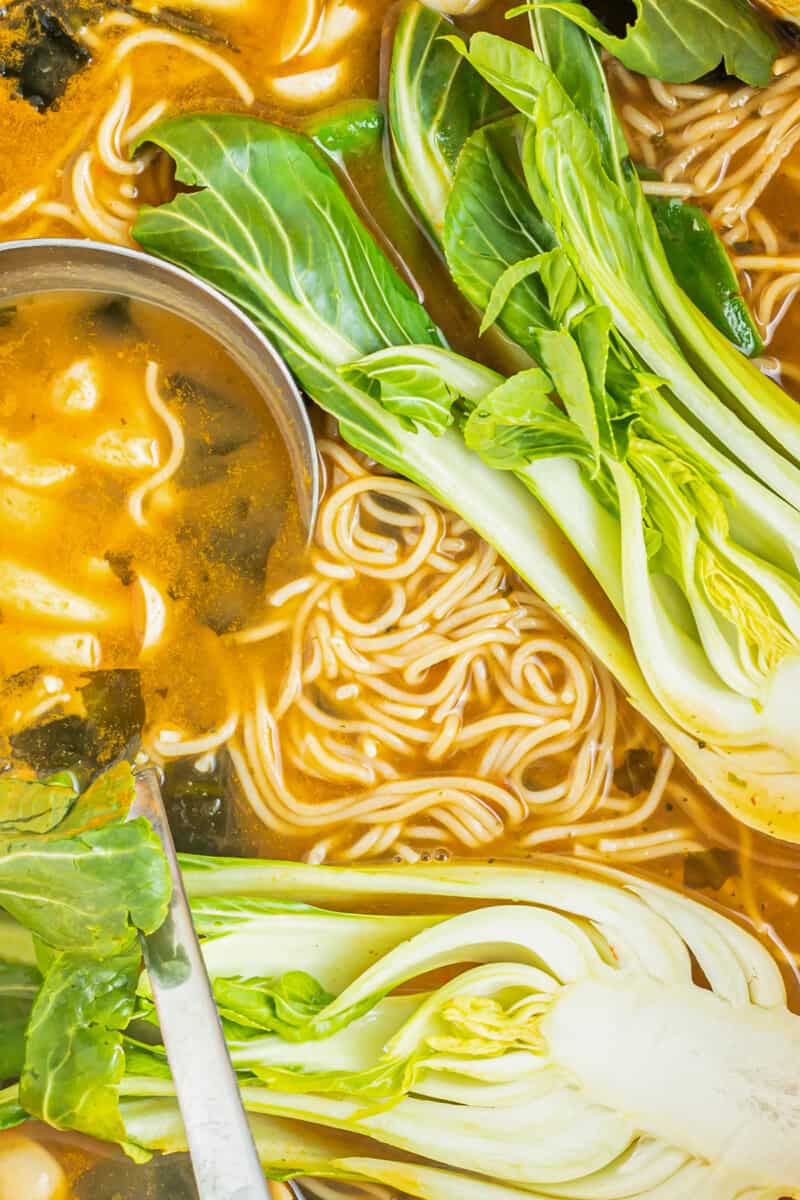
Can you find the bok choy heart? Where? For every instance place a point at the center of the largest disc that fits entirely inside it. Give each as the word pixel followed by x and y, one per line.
pixel 270 225
pixel 564 1051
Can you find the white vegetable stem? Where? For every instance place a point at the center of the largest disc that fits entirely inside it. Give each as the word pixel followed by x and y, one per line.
pixel 728 1077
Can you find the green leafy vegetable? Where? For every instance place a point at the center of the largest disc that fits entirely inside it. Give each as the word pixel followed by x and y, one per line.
pixel 19 985
pixel 73 1055
pixel 347 130
pixel 83 881
pixel 28 806
pixel 435 102
pixel 283 1006
pixel 87 884
pixel 681 40
pixel 701 267
pixel 670 484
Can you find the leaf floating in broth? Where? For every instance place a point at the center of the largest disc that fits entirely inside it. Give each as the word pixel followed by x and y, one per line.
pixel 115 708
pixel 63 744
pixel 42 54
pixel 710 868
pixel 349 129
pixel 214 427
pixel 112 317
pixel 681 40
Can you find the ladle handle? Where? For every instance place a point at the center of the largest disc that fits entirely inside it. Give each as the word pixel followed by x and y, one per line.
pixel 223 1153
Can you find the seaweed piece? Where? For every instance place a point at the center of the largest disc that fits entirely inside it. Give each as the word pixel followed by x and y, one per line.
pixel 214 427
pixel 111 317
pixel 710 868
pixel 41 46
pixel 244 537
pixel 115 709
pixel 115 1179
pixel 8 315
pixel 110 730
pixel 49 65
pixel 63 744
pixel 122 566
pixel 198 807
pixel 636 772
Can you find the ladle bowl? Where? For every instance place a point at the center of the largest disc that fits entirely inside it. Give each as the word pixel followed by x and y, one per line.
pixel 59 265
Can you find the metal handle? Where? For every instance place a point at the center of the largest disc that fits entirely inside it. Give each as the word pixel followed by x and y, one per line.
pixel 223 1153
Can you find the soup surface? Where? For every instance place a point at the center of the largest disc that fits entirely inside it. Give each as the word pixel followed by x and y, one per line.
pixel 395 691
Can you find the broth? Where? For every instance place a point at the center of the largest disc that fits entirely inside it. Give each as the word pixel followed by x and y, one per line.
pixel 145 488
pixel 274 743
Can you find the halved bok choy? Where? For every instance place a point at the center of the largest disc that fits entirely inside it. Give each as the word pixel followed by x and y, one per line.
pixel 631 476
pixel 271 226
pixel 466 1030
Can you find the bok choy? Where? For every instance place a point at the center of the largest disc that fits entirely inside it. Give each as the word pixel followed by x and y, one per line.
pixel 270 225
pixel 564 1051
pixel 650 477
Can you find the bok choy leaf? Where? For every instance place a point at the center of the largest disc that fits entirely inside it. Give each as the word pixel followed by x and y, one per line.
pixel 703 270
pixel 83 882
pixel 681 40
pixel 435 102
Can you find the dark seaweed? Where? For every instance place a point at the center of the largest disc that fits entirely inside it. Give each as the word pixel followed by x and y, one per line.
pixel 64 744
pixel 198 807
pixel 43 53
pixel 214 427
pixel 122 566
pixel 111 317
pixel 115 709
pixel 243 543
pixel 710 868
pixel 636 772
pixel 110 730
pixel 49 64
pixel 116 1180
pixel 8 316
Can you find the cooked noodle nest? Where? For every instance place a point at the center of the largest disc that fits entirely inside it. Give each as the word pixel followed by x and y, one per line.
pixel 438 703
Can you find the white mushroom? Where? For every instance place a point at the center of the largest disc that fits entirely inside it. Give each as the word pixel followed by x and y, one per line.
pixel 77 390
pixel 28 1171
